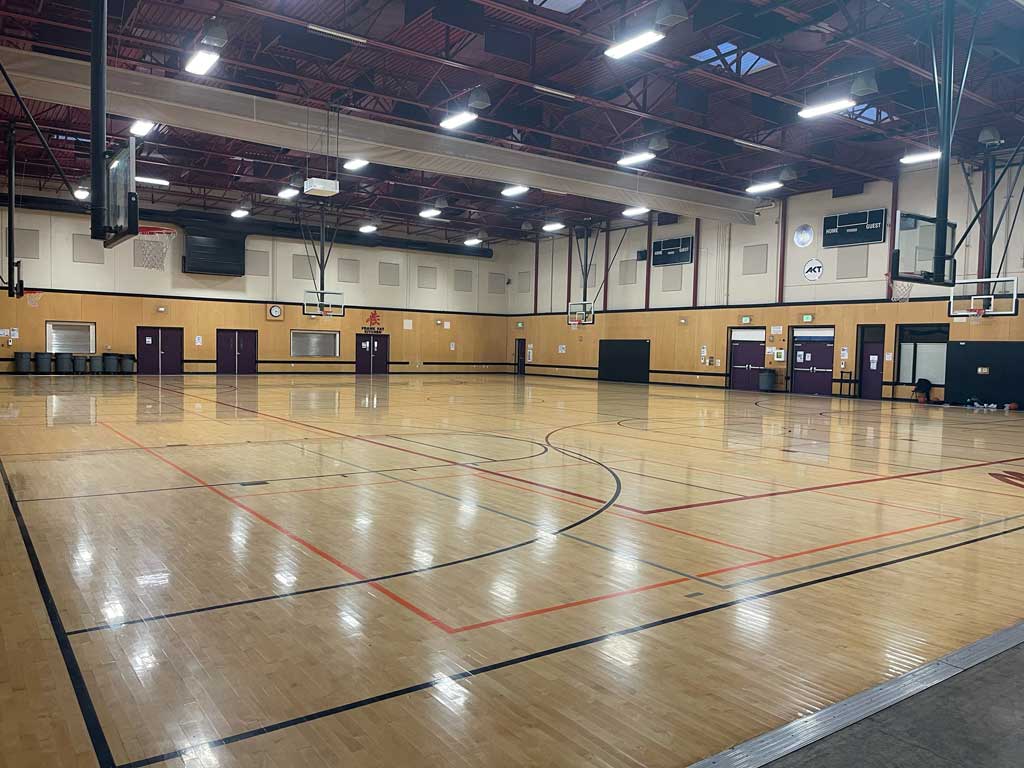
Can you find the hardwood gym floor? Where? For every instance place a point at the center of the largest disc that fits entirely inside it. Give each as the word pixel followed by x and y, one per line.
pixel 476 570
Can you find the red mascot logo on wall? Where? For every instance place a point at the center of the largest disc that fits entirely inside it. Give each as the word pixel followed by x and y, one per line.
pixel 374 323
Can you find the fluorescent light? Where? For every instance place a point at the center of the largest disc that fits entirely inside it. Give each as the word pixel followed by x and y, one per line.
pixel 141 127
pixel 553 226
pixel 513 190
pixel 755 145
pixel 239 213
pixel 829 106
pixel 633 44
pixel 921 157
pixel 638 211
pixel 81 193
pixel 151 180
pixel 429 213
pixel 473 241
pixel 636 158
pixel 554 92
pixel 355 164
pixel 202 61
pixel 764 186
pixel 458 120
pixel 336 33
pixel 288 193
pixel 368 228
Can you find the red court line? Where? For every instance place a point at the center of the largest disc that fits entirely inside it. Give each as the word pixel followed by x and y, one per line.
pixel 688 533
pixel 281 529
pixel 843 484
pixel 573 604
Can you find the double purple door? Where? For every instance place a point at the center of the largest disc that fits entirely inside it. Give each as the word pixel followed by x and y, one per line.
pixel 372 352
pixel 812 367
pixel 746 361
pixel 160 351
pixel 236 352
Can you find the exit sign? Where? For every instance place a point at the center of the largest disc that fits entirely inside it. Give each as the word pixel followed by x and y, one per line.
pixel 520 324
pixel 745 319
pixel 808 318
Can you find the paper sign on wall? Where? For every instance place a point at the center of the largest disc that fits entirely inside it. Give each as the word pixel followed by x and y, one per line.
pixel 770 351
pixel 529 354
pixel 199 341
pixel 780 355
pixel 776 329
pixel 704 350
pixel 888 357
pixel 873 362
pixel 561 349
pixel 14 333
pixel 451 346
pixel 149 339
pixel 407 324
pixel 5 331
pixel 799 357
pixel 844 353
pixel 447 325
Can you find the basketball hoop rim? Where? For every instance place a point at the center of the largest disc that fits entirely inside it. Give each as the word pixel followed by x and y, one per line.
pixel 155 231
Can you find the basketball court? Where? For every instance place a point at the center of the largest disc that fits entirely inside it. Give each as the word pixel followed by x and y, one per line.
pixel 341 429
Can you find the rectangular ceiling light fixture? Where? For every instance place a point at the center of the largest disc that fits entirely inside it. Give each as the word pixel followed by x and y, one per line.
pixel 152 181
pixel 827 108
pixel 636 158
pixel 765 186
pixel 316 29
pixel 202 61
pixel 633 44
pixel 921 157
pixel 458 119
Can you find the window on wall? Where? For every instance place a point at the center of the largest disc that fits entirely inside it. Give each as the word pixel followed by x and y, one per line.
pixel 315 344
pixel 922 353
pixel 79 338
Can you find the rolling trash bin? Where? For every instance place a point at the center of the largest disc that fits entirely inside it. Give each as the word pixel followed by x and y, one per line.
pixel 64 363
pixel 44 362
pixel 109 362
pixel 127 364
pixel 23 362
pixel 766 380
pixel 80 363
pixel 96 364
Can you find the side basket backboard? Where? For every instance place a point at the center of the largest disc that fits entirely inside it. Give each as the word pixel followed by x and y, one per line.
pixel 912 256
pixel 122 198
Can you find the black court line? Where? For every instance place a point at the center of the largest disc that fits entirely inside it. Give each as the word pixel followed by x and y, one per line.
pixel 487 668
pixel 88 709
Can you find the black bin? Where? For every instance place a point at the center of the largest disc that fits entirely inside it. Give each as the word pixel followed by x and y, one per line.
pixel 44 362
pixel 64 364
pixel 96 364
pixel 766 380
pixel 109 362
pixel 127 364
pixel 23 362
pixel 80 363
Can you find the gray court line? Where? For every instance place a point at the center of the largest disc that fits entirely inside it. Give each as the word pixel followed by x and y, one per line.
pixel 871 552
pixel 780 742
pixel 579 539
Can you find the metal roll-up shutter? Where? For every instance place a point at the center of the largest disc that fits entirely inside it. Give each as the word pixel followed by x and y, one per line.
pixel 315 343
pixel 78 338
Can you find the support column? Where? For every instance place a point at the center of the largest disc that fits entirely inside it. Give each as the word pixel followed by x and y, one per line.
pixel 945 140
pixel 696 261
pixel 607 266
pixel 11 287
pixel 985 247
pixel 650 259
pixel 783 226
pixel 98 107
pixel 536 273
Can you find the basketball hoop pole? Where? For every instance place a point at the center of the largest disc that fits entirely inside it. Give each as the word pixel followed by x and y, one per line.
pixel 10 211
pixel 98 106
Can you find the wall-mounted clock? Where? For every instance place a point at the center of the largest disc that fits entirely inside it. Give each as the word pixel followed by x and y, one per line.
pixel 275 312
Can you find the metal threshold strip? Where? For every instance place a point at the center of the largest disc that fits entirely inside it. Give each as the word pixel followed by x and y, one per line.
pixel 773 745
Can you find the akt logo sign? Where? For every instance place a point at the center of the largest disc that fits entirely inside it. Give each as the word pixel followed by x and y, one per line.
pixel 813 270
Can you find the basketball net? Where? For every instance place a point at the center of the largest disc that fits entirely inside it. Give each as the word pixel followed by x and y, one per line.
pixel 33 298
pixel 977 314
pixel 901 291
pixel 152 246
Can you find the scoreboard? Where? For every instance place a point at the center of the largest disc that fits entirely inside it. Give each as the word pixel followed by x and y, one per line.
pixel 857 228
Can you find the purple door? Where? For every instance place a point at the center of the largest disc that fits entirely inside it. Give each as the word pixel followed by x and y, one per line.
pixel 871 355
pixel 160 351
pixel 812 367
pixel 520 357
pixel 746 361
pixel 226 351
pixel 380 353
pixel 236 352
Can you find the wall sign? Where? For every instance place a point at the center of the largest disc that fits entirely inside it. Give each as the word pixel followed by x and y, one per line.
pixel 857 228
pixel 373 323
pixel 813 270
pixel 803 236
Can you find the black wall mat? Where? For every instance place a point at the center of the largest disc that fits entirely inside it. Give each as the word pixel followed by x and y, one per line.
pixel 1004 361
pixel 625 360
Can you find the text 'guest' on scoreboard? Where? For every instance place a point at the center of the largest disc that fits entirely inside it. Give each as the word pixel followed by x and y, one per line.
pixel 857 228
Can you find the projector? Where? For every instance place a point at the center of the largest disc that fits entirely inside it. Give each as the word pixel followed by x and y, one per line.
pixel 321 187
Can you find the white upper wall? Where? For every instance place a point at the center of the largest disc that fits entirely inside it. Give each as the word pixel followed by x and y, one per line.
pixel 56 253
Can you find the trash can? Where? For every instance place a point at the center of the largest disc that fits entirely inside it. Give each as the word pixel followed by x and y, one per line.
pixel 44 362
pixel 64 364
pixel 80 363
pixel 23 362
pixel 96 364
pixel 127 364
pixel 766 380
pixel 109 362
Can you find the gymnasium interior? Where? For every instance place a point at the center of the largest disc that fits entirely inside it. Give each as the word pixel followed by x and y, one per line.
pixel 619 383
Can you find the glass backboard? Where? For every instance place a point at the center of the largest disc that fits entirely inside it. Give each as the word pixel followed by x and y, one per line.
pixel 122 200
pixel 912 257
